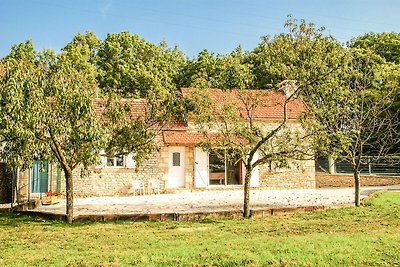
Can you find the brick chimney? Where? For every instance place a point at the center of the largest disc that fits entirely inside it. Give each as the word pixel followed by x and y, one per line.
pixel 288 87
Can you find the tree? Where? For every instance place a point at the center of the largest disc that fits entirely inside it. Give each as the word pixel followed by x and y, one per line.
pixel 208 70
pixel 48 112
pixel 354 115
pixel 135 124
pixel 385 44
pixel 86 44
pixel 132 67
pixel 303 58
pixel 304 54
pixel 54 117
pixel 233 131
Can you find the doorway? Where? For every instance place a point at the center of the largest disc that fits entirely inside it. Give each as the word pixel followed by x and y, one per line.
pixel 39 177
pixel 176 173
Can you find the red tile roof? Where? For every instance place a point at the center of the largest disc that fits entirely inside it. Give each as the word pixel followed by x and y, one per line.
pixel 138 106
pixel 138 109
pixel 270 103
pixel 183 137
pixel 270 106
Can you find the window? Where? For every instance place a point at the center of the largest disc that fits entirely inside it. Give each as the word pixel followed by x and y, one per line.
pixel 176 159
pixel 117 161
pixel 222 171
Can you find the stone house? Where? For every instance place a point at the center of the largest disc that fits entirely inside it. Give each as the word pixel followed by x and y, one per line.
pixel 180 164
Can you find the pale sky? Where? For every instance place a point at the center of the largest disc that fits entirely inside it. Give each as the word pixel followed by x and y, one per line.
pixel 216 25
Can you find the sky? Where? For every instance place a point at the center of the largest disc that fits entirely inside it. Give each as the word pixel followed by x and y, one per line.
pixel 193 25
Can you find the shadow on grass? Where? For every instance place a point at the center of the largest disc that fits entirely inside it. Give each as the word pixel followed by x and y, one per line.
pixel 15 218
pixel 381 203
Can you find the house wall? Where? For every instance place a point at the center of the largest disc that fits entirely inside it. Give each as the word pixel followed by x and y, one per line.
pixel 23 183
pixel 300 175
pixel 118 181
pixel 112 181
pixel 347 180
pixel 189 168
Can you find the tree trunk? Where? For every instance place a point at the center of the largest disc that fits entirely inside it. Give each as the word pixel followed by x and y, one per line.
pixel 356 187
pixel 70 195
pixel 331 163
pixel 246 202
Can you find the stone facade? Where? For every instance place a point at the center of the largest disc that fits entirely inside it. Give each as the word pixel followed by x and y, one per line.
pixel 300 175
pixel 347 180
pixel 113 181
pixel 189 167
pixel 117 181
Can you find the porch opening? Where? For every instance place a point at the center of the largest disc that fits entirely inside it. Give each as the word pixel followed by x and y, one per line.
pixel 223 171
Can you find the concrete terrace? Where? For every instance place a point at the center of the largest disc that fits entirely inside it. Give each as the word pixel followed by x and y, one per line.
pixel 207 204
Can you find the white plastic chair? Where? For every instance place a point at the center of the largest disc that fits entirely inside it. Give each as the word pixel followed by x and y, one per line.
pixel 154 186
pixel 138 186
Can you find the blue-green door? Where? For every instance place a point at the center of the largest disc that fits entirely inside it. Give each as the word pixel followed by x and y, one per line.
pixel 39 177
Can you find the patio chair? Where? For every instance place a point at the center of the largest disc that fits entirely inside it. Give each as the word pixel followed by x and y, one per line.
pixel 154 186
pixel 138 186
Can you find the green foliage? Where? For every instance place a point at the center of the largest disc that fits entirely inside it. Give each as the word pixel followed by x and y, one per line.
pixel 208 70
pixel 47 112
pixel 24 50
pixel 132 67
pixel 87 45
pixel 46 105
pixel 303 54
pixel 363 122
pixel 385 44
pixel 21 81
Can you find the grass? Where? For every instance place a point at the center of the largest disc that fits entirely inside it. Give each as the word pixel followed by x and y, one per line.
pixel 366 236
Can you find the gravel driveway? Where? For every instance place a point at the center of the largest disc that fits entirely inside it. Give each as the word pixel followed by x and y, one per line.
pixel 209 201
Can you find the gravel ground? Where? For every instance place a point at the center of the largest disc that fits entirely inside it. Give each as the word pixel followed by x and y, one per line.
pixel 213 200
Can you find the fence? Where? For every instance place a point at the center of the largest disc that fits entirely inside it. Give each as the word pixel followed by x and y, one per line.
pixel 389 166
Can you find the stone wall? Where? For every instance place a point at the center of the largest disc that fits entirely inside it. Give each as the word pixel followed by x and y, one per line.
pixel 118 181
pixel 347 180
pixel 109 181
pixel 189 167
pixel 300 174
pixel 5 184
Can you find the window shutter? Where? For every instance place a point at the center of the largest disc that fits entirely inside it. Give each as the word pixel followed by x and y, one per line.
pixel 130 161
pixel 200 167
pixel 103 160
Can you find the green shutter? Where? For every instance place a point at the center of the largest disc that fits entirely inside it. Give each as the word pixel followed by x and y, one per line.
pixel 39 177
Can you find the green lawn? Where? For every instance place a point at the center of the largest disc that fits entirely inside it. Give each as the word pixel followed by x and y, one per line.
pixel 366 236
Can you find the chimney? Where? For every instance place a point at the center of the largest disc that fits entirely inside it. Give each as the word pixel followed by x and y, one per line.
pixel 288 87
